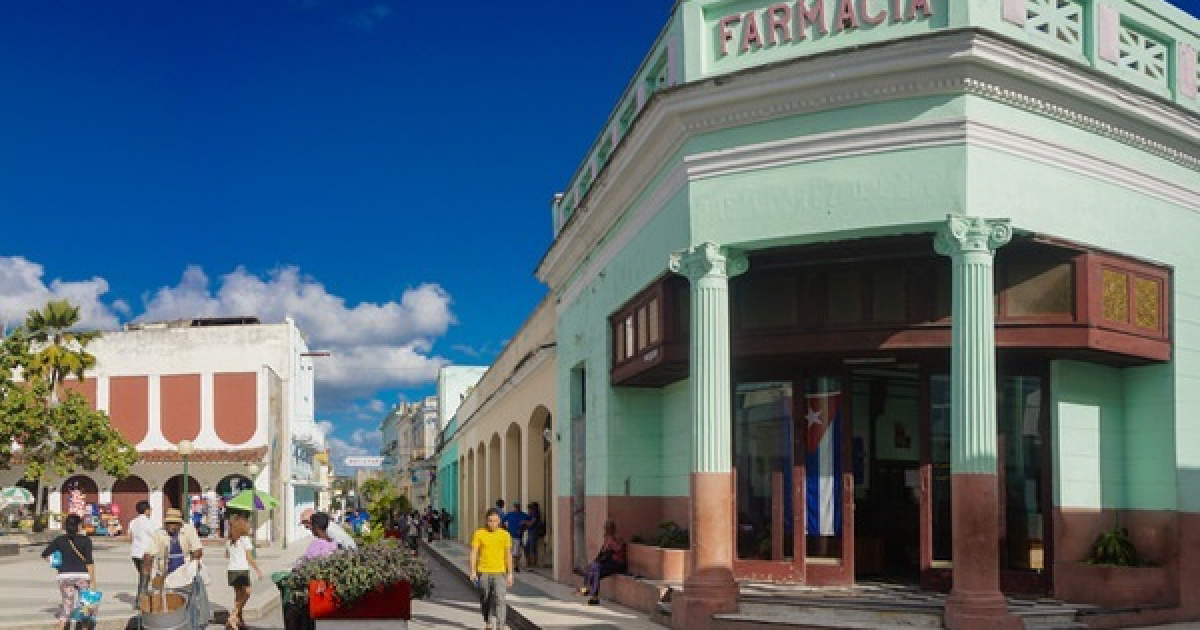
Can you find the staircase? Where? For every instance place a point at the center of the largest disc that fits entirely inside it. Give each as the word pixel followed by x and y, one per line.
pixel 869 606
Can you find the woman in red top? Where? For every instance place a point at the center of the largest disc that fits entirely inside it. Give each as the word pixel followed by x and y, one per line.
pixel 610 561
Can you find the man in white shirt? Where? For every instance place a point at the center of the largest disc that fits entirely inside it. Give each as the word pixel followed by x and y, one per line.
pixel 335 531
pixel 141 531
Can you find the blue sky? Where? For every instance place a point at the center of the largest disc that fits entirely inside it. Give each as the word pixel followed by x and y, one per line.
pixel 380 170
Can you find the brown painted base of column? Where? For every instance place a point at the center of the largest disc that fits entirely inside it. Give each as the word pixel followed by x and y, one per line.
pixel 705 593
pixel 710 588
pixel 976 601
pixel 983 611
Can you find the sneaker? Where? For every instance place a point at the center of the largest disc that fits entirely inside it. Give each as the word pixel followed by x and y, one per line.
pixel 595 601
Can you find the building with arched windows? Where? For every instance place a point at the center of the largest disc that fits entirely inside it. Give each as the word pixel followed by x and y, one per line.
pixel 892 289
pixel 242 392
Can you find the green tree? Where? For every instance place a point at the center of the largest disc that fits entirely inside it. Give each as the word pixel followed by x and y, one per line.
pixel 57 434
pixel 57 351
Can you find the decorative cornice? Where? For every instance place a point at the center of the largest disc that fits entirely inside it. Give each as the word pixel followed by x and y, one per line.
pixel 954 131
pixel 950 63
pixel 671 185
pixel 1078 119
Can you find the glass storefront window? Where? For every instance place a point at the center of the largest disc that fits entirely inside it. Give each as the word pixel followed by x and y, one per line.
pixel 762 446
pixel 1020 450
pixel 939 425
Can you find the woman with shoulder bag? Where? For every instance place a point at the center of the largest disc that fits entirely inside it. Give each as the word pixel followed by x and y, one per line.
pixel 76 570
pixel 239 550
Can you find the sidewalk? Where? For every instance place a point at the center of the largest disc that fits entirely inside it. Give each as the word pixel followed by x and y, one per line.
pixel 30 594
pixel 536 602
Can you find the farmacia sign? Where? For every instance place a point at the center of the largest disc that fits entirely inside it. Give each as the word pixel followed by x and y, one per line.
pixel 788 22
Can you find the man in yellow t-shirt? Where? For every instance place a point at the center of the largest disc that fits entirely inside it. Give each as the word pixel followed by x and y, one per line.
pixel 491 569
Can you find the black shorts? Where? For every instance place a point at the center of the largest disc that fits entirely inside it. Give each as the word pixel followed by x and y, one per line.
pixel 239 578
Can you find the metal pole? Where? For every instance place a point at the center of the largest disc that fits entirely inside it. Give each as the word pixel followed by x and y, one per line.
pixel 184 506
pixel 253 520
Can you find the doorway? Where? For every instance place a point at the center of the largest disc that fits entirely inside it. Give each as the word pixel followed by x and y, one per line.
pixel 886 456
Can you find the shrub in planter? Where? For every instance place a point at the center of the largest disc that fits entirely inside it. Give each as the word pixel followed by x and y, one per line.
pixel 1114 548
pixel 672 536
pixel 355 574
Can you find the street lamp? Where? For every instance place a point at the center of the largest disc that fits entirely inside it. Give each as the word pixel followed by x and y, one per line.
pixel 185 448
pixel 253 469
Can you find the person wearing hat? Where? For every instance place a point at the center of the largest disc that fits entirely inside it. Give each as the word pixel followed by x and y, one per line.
pixel 514 522
pixel 173 545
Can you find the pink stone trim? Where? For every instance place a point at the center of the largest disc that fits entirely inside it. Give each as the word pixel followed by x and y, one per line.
pixel 1014 11
pixel 1108 22
pixel 1187 70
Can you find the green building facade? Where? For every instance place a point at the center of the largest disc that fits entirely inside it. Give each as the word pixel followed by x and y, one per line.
pixel 840 275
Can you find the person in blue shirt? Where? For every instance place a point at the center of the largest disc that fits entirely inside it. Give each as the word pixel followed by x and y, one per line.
pixel 514 522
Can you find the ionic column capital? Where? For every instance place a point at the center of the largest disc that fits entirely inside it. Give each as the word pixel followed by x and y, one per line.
pixel 708 260
pixel 964 235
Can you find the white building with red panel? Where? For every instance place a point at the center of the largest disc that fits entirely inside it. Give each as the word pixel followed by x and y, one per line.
pixel 240 391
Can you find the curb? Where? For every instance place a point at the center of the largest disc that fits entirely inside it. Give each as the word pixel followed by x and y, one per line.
pixel 515 618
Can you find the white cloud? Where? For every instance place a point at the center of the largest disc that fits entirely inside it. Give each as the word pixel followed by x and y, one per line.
pixel 358 442
pixel 373 346
pixel 22 287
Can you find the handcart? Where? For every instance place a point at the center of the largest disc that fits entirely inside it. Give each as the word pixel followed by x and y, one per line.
pixel 166 609
pixel 163 608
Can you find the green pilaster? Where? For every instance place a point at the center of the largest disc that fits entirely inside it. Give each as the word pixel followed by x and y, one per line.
pixel 971 243
pixel 708 268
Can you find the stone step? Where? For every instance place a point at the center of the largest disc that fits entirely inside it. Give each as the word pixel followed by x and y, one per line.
pixel 737 621
pixel 840 612
pixel 1049 617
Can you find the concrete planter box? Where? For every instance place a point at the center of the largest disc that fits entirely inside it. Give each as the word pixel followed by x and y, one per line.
pixel 1115 587
pixel 657 563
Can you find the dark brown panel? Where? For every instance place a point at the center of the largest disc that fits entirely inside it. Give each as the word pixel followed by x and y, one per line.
pixel 179 405
pixel 125 494
pixel 235 406
pixel 87 389
pixel 129 406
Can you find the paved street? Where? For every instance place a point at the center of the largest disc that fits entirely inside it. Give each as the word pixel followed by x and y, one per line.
pixel 29 597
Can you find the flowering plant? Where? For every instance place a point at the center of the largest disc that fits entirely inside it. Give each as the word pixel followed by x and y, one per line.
pixel 354 573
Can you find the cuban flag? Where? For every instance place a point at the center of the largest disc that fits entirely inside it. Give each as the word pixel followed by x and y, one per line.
pixel 822 463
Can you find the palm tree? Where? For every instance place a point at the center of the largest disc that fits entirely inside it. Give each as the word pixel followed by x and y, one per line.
pixel 58 351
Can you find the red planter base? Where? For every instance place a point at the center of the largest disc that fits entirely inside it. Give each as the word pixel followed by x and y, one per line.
pixel 392 602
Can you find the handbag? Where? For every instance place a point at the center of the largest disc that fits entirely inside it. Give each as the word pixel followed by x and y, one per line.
pixel 56 559
pixel 88 606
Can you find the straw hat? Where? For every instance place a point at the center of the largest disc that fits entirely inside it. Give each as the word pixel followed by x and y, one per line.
pixel 173 516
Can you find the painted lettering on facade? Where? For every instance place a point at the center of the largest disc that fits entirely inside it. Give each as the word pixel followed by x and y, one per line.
pixel 786 23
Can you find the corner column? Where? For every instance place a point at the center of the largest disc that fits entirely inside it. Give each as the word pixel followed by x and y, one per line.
pixel 975 601
pixel 709 587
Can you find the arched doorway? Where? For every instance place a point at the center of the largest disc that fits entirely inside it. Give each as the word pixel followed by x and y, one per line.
pixel 494 473
pixel 174 488
pixel 33 487
pixel 512 465
pixel 78 493
pixel 125 495
pixel 539 444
